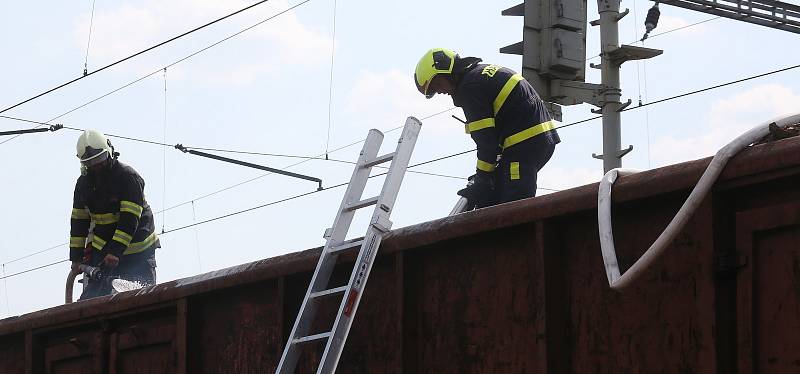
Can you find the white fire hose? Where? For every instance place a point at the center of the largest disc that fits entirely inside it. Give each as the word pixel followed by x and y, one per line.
pixel 617 281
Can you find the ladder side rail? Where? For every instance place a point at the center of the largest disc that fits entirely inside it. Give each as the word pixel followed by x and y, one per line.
pixel 326 263
pixel 397 169
pixel 358 182
pixel 379 224
pixel 349 304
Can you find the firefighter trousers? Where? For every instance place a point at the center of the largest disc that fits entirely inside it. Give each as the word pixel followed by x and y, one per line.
pixel 515 176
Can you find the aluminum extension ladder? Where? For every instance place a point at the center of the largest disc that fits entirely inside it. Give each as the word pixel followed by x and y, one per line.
pixel 335 244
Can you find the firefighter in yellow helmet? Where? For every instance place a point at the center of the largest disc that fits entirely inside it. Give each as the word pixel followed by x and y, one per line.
pixel 109 202
pixel 509 123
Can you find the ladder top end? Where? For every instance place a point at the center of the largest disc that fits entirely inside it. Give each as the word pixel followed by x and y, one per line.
pixel 412 119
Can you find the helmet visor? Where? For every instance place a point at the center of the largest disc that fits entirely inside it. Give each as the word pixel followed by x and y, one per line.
pixel 93 157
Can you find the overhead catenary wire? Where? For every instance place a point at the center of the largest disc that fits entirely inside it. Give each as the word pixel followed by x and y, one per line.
pixel 237 213
pixel 639 65
pixel 310 192
pixel 196 240
pixel 135 81
pixel 5 286
pixel 432 115
pixel 86 74
pixel 194 217
pixel 184 149
pixel 442 112
pixel 304 194
pixel 665 32
pixel 317 157
pixel 32 269
pixel 164 156
pixel 646 112
pixel 88 42
pixel 330 86
pixel 560 127
pixel 681 28
pixel 35 253
pixel 714 87
pixel 306 159
pixel 265 205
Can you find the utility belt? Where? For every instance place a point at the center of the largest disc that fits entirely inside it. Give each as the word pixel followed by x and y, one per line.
pixel 526 134
pixel 135 247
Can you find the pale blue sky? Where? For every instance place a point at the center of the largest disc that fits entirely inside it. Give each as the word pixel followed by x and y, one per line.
pixel 267 90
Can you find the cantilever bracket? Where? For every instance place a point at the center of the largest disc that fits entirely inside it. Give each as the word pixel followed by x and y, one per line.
pixel 624 152
pixel 184 149
pixel 628 52
pixel 623 14
pixel 620 154
pixel 623 106
pixel 55 127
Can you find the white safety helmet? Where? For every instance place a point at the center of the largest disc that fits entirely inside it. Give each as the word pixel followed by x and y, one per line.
pixel 94 148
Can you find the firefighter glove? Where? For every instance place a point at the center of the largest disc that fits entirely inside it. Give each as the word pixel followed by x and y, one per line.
pixel 479 191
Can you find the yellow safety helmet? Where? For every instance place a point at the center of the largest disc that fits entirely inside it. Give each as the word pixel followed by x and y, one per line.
pixel 435 61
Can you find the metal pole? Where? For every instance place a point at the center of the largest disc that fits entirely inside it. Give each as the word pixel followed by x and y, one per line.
pixel 611 92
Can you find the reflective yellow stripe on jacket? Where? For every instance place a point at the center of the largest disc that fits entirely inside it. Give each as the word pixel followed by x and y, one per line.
pixel 479 125
pixel 80 213
pixel 98 243
pixel 122 237
pixel 505 91
pixel 130 207
pixel 105 218
pixel 142 245
pixel 528 133
pixel 485 166
pixel 77 241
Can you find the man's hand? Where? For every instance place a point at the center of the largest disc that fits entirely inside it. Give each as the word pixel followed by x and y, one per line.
pixel 111 261
pixel 479 193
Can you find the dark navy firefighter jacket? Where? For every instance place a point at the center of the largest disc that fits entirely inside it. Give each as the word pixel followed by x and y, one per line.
pixel 503 110
pixel 123 222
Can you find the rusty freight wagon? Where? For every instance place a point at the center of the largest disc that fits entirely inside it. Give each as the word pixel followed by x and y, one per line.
pixel 516 288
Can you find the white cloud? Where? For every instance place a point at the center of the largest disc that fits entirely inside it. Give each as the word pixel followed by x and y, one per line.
pixel 380 99
pixel 128 28
pixel 727 119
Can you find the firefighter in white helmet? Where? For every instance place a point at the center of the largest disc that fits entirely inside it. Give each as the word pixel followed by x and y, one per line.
pixel 109 201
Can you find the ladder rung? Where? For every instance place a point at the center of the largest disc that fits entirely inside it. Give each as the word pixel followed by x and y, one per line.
pixel 361 204
pixel 312 338
pixel 328 292
pixel 345 246
pixel 379 160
